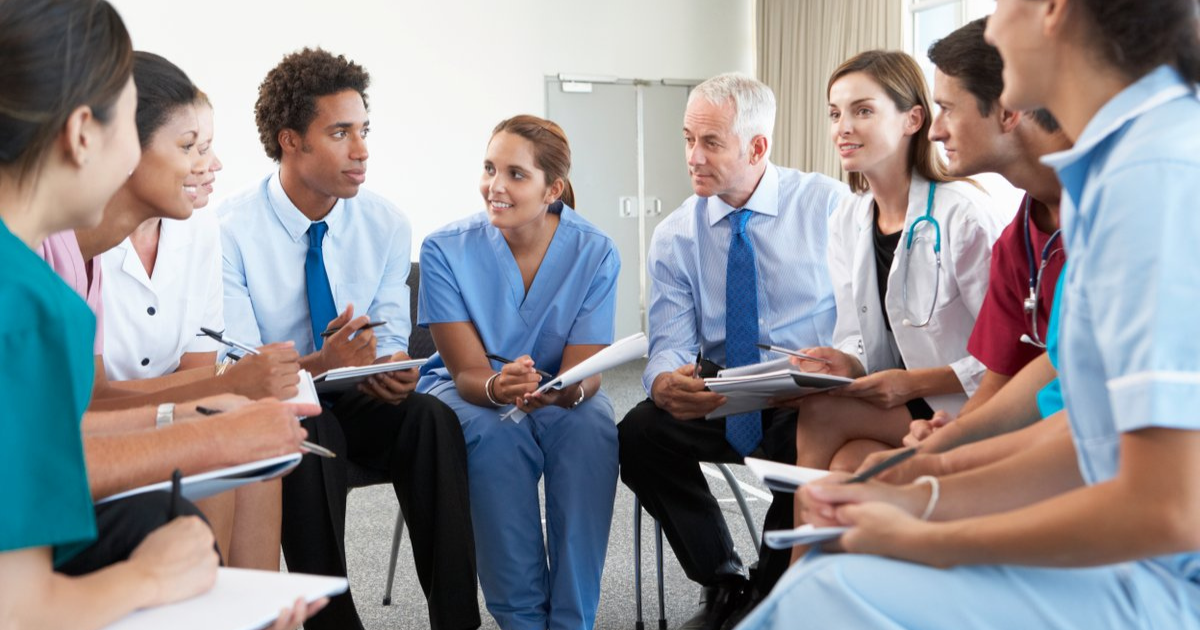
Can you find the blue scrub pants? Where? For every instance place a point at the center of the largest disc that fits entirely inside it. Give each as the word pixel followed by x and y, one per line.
pixel 860 591
pixel 576 450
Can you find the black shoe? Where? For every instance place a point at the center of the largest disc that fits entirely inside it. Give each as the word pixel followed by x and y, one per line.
pixel 717 603
pixel 749 600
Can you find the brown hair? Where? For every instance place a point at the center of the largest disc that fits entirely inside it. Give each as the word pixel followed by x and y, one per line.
pixel 287 98
pixel 56 56
pixel 900 76
pixel 550 149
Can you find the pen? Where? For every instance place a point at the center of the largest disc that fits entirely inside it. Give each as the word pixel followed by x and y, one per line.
pixel 315 449
pixel 883 465
pixel 793 353
pixel 232 343
pixel 176 492
pixel 496 357
pixel 696 367
pixel 333 331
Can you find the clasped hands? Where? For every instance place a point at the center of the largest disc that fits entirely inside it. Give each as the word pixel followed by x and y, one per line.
pixel 517 383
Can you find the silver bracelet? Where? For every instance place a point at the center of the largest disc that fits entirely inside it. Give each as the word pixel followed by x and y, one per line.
pixel 582 395
pixel 487 390
pixel 935 491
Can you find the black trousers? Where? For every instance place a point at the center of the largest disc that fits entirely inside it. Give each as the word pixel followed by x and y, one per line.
pixel 660 462
pixel 121 526
pixel 419 445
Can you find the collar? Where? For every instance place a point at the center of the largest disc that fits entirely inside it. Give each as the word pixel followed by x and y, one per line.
pixel 918 201
pixel 290 217
pixel 1154 89
pixel 765 199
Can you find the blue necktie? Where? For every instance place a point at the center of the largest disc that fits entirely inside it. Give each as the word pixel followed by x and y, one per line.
pixel 320 297
pixel 744 430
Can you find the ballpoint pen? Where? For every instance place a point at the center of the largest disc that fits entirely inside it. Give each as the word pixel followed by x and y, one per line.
pixel 232 343
pixel 496 357
pixel 793 353
pixel 883 465
pixel 696 366
pixel 329 332
pixel 315 449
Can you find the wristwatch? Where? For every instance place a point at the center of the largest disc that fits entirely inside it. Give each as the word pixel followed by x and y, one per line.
pixel 165 415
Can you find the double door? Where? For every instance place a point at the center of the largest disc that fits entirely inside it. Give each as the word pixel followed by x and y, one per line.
pixel 628 169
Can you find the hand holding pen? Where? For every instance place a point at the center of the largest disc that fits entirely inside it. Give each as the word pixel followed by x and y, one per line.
pixel 516 379
pixel 264 425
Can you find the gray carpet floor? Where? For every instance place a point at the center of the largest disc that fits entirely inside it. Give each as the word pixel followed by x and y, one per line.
pixel 372 515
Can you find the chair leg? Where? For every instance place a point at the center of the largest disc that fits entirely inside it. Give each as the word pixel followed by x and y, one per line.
pixel 741 501
pixel 399 532
pixel 658 560
pixel 637 561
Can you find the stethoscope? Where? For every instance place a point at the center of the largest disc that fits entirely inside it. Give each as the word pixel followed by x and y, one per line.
pixel 1030 303
pixel 937 256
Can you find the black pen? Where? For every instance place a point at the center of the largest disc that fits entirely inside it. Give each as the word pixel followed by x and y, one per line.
pixel 176 493
pixel 329 332
pixel 696 366
pixel 232 343
pixel 315 449
pixel 496 357
pixel 883 465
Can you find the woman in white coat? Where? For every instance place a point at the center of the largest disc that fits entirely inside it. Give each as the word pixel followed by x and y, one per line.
pixel 928 236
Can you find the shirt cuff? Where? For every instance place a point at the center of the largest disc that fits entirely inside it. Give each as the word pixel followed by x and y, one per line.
pixel 1156 399
pixel 665 361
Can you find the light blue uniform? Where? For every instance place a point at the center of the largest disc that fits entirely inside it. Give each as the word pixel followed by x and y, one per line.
pixel 1130 360
pixel 468 274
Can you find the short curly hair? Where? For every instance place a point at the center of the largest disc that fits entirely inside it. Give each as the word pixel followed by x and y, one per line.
pixel 287 98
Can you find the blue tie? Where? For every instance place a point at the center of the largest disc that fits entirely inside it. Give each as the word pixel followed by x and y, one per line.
pixel 743 431
pixel 320 297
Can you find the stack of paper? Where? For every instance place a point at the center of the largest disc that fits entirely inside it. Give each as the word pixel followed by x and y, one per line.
pixel 204 485
pixel 750 388
pixel 619 353
pixel 803 535
pixel 241 599
pixel 343 379
pixel 783 477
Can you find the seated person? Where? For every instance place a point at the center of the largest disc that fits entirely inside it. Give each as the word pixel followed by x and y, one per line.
pixel 909 260
pixel 552 308
pixel 67 141
pixel 300 246
pixel 712 290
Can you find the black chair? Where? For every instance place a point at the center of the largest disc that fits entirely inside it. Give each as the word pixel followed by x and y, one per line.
pixel 420 346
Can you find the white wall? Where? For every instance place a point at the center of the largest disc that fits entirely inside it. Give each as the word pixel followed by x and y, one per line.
pixel 443 73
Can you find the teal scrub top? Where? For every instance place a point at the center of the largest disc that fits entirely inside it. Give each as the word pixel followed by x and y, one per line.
pixel 1050 398
pixel 46 337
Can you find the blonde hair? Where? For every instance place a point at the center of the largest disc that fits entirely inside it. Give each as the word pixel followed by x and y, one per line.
pixel 901 78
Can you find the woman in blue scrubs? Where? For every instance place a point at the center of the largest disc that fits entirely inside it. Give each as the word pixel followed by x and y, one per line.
pixel 531 280
pixel 1100 529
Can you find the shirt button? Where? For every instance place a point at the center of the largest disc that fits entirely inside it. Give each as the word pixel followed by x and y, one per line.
pixel 145 362
pixel 151 311
pixel 864 309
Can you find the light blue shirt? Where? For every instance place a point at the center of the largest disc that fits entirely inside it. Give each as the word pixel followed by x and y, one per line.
pixel 468 274
pixel 688 256
pixel 1130 352
pixel 264 239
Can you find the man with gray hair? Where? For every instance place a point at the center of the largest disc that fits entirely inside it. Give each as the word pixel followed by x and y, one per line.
pixel 741 262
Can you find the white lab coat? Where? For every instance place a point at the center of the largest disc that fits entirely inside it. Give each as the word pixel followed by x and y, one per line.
pixel 969 227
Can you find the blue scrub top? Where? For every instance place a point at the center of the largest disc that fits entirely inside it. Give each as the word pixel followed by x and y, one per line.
pixel 1049 399
pixel 1129 348
pixel 46 338
pixel 468 274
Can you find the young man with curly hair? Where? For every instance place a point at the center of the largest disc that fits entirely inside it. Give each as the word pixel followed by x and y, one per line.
pixel 304 251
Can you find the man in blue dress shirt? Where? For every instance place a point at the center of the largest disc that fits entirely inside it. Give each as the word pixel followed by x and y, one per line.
pixel 304 250
pixel 741 262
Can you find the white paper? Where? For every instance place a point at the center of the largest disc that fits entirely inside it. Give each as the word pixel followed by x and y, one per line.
pixel 804 535
pixel 783 477
pixel 343 379
pixel 752 392
pixel 242 599
pixel 306 391
pixel 204 485
pixel 619 353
